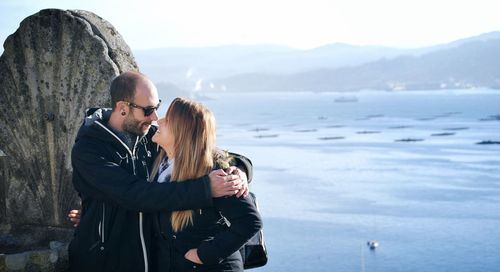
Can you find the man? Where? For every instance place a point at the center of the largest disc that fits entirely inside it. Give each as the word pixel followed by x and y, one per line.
pixel 111 159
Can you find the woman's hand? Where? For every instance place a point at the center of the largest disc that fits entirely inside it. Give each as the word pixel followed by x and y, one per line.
pixel 192 255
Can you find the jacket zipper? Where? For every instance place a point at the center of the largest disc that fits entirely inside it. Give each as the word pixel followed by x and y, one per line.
pixel 141 232
pixel 144 253
pixel 132 154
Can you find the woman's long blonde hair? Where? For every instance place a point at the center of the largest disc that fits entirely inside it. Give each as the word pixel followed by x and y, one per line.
pixel 193 127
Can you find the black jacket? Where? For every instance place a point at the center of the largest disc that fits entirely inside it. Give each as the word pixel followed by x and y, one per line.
pixel 114 234
pixel 216 239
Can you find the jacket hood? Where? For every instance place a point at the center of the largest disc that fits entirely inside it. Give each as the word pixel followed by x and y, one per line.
pixel 96 114
pixel 90 128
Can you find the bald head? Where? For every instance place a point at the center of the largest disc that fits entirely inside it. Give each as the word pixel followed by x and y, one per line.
pixel 123 87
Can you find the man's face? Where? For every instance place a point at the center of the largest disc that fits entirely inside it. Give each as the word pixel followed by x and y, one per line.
pixel 136 122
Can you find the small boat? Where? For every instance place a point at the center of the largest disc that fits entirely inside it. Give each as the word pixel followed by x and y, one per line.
pixel 259 129
pixel 331 138
pixel 491 118
pixel 266 136
pixel 488 142
pixel 409 140
pixel 306 130
pixel 443 134
pixel 400 127
pixel 456 128
pixel 372 244
pixel 367 132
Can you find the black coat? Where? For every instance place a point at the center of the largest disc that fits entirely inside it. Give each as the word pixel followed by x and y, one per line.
pixel 217 243
pixel 114 234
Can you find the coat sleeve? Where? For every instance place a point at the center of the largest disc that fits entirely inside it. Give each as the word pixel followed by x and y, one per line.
pixel 245 223
pixel 98 177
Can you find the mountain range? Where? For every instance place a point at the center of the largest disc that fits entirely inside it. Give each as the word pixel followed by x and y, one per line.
pixel 465 63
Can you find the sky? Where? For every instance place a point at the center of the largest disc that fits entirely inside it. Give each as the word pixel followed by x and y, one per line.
pixel 302 24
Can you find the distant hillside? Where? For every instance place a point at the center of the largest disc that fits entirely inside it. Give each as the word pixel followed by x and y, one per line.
pixel 471 64
pixel 183 66
pixel 483 37
pixel 460 64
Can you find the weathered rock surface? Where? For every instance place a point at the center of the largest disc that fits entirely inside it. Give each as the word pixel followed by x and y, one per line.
pixel 53 258
pixel 57 64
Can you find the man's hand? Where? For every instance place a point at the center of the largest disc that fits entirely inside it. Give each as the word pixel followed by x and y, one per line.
pixel 224 184
pixel 243 176
pixel 74 217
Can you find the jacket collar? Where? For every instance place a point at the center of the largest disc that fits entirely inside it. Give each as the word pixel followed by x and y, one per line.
pixel 95 126
pixel 131 152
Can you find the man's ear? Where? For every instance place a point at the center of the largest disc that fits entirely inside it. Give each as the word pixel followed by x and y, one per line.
pixel 122 108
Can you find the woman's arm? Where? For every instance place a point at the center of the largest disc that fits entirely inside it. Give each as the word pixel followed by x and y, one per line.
pixel 245 223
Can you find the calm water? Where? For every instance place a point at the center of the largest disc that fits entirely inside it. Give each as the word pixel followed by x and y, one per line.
pixel 330 176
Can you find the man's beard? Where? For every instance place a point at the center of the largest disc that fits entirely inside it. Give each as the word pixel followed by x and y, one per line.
pixel 134 126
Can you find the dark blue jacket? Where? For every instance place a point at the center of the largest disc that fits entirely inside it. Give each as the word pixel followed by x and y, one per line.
pixel 115 230
pixel 217 232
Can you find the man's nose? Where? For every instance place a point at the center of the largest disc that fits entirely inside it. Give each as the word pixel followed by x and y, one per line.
pixel 154 116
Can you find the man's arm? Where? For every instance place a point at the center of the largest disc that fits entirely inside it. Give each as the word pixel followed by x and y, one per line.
pixel 97 177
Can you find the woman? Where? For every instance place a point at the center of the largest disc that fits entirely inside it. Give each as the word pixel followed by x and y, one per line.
pixel 200 240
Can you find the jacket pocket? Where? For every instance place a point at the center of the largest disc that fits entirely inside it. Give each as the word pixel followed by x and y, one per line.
pixel 190 266
pixel 184 265
pixel 96 251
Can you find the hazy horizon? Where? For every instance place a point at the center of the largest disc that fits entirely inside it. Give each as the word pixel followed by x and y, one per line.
pixel 306 49
pixel 299 24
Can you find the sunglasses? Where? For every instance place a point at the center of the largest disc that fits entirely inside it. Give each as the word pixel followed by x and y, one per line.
pixel 147 110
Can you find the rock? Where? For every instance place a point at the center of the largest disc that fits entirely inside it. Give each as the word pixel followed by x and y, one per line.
pixel 57 64
pixel 45 260
pixel 16 261
pixel 56 245
pixel 53 67
pixel 39 261
pixel 118 50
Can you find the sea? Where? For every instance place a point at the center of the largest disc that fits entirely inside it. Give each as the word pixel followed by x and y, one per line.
pixel 416 171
